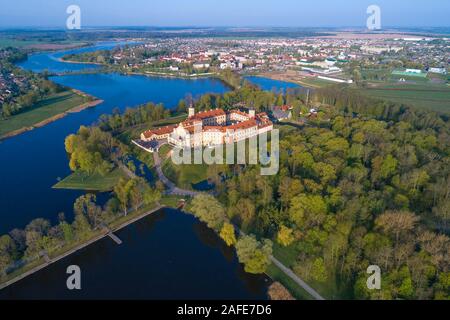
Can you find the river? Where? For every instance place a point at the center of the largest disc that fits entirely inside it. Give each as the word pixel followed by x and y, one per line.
pixel 170 255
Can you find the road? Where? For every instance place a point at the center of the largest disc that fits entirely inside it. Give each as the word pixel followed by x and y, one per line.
pixel 172 189
pixel 297 280
pixel 48 260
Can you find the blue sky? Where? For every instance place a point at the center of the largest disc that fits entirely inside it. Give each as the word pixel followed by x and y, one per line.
pixel 289 13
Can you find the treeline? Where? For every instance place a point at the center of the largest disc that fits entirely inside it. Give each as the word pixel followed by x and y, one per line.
pixel 26 88
pixel 350 193
pixel 253 254
pixel 248 96
pixel 351 101
pixel 100 56
pixel 92 150
pixel 146 113
pixel 40 238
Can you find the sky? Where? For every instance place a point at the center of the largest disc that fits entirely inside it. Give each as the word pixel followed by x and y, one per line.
pixel 241 13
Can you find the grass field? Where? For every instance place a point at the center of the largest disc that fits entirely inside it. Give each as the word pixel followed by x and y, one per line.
pixel 43 110
pixel 135 132
pixel 7 42
pixel 277 275
pixel 316 82
pixel 331 289
pixel 424 96
pixel 39 44
pixel 95 182
pixel 185 175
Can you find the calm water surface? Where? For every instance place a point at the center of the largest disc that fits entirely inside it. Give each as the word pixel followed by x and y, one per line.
pixel 166 256
pixel 169 255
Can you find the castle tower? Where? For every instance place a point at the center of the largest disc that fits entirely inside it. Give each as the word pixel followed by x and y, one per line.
pixel 191 111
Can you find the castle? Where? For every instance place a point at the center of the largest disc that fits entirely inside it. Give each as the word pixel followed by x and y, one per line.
pixel 211 128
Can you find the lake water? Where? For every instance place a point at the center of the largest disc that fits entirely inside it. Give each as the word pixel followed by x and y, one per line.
pixel 170 255
pixel 270 84
pixel 35 160
pixel 166 256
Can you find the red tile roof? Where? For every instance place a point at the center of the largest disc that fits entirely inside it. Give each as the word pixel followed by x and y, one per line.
pixel 159 131
pixel 209 114
pixel 240 113
pixel 214 128
pixel 243 125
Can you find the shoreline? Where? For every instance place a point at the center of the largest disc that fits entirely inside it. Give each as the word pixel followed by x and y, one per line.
pixel 81 107
pixel 286 79
pixel 79 62
pixel 174 76
pixel 80 247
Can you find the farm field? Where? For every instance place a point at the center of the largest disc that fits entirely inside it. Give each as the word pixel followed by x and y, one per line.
pixel 43 110
pixel 424 96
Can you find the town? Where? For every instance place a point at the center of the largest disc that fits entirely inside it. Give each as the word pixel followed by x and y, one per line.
pixel 343 58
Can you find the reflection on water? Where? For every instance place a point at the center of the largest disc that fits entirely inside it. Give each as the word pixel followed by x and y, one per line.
pixel 169 255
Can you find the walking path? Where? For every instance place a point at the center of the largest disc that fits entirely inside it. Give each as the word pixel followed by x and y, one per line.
pixel 49 261
pixel 297 280
pixel 172 188
pixel 290 273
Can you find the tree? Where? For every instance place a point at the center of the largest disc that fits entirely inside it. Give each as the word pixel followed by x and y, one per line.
pixel 228 234
pixel 246 211
pixel 209 210
pixel 396 223
pixel 68 232
pixel 150 195
pixel 253 254
pixel 86 206
pixel 81 227
pixel 307 210
pixel 7 248
pixel 122 191
pixel 285 236
pixel 278 292
pixel 318 270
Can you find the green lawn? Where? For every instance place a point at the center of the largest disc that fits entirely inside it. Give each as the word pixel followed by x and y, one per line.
pixel 170 201
pixel 19 43
pixel 424 96
pixel 331 289
pixel 7 42
pixel 277 275
pixel 82 181
pixel 135 132
pixel 164 151
pixel 316 82
pixel 43 110
pixel 287 255
pixel 185 175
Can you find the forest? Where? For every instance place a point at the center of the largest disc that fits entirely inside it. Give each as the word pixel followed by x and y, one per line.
pixel 364 183
pixel 367 183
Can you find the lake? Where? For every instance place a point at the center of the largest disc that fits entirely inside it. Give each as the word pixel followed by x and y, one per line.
pixel 169 255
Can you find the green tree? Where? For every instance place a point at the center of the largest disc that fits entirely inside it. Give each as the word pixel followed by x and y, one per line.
pixel 228 234
pixel 285 236
pixel 209 210
pixel 7 248
pixel 253 254
pixel 318 270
